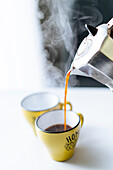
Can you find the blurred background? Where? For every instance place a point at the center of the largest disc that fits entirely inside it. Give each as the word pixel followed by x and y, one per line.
pixel 39 38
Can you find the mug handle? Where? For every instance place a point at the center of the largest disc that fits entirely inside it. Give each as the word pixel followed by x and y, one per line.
pixel 81 118
pixel 62 105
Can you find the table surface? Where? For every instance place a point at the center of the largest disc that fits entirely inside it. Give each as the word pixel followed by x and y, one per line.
pixel 21 149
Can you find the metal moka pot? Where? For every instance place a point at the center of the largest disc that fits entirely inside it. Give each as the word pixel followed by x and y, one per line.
pixel 94 57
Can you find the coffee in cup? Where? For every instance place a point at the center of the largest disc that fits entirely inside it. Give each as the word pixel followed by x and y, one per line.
pixel 60 143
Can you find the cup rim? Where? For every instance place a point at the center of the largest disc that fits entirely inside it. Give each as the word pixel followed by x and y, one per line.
pixel 34 110
pixel 56 132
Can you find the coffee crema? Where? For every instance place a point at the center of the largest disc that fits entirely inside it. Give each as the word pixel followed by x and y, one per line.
pixel 57 128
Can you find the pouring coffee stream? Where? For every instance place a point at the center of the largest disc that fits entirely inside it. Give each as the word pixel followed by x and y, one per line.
pixel 65 97
pixel 94 57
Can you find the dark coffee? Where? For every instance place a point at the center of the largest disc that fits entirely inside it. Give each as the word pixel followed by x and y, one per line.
pixel 57 128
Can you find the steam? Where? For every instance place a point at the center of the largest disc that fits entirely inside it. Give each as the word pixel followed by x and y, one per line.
pixel 89 15
pixel 61 22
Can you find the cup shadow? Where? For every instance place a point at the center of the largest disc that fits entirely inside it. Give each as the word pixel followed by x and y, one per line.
pixel 85 157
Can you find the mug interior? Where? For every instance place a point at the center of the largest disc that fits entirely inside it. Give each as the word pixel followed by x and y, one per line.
pixel 40 101
pixel 57 117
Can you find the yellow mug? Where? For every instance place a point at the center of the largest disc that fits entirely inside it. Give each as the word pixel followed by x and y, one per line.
pixel 36 104
pixel 60 144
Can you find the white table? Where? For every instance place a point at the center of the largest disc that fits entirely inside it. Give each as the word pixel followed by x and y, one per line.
pixel 20 149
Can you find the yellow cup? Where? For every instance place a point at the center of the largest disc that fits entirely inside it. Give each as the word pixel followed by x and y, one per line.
pixel 36 104
pixel 60 145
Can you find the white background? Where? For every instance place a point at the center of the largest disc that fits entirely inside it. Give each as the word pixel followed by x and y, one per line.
pixel 21 59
